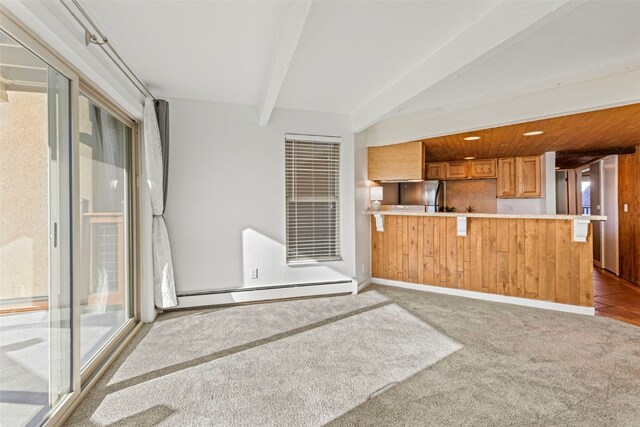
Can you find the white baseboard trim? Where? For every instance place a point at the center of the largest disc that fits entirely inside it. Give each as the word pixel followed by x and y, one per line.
pixel 362 286
pixel 255 295
pixel 547 305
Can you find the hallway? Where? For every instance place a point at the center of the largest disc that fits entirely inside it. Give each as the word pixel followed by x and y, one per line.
pixel 615 297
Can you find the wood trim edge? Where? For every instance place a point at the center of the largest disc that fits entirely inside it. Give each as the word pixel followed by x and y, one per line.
pixel 546 305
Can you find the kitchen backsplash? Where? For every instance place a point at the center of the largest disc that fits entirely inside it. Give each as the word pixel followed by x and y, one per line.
pixel 480 194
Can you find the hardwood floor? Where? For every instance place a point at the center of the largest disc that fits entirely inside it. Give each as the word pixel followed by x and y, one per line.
pixel 615 297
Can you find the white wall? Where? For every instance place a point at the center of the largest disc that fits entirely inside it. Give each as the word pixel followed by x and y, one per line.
pixel 610 91
pixel 362 221
pixel 226 203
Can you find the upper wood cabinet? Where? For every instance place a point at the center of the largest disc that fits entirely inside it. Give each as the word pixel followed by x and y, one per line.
pixel 528 176
pixel 519 177
pixel 396 162
pixel 506 183
pixel 485 168
pixel 436 170
pixel 474 169
pixel 457 170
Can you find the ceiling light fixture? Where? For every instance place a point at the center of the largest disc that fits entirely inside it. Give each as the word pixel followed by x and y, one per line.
pixel 469 158
pixel 533 133
pixel 471 138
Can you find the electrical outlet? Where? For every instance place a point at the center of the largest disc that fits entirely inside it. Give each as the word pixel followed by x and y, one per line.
pixel 254 273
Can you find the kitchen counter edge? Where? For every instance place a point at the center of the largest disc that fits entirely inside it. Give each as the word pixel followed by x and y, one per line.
pixel 485 215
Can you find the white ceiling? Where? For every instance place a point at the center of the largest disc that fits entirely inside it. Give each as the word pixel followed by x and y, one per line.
pixel 350 50
pixel 207 50
pixel 370 59
pixel 591 40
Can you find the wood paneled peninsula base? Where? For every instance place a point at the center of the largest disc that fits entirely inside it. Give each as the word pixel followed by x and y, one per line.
pixel 534 257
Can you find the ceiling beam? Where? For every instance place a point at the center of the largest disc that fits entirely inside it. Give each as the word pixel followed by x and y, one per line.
pixel 502 26
pixel 281 57
pixel 595 153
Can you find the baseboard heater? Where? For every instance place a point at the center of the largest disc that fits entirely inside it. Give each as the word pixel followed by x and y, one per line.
pixel 265 293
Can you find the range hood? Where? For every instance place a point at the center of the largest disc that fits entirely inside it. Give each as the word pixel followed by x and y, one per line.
pixel 393 181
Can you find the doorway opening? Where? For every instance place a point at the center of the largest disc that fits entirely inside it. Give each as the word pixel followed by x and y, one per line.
pixel 592 189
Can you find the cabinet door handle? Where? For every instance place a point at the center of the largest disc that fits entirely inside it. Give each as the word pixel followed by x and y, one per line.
pixel 55 234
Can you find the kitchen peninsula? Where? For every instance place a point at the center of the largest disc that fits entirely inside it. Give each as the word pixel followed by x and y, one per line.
pixel 543 260
pixel 525 256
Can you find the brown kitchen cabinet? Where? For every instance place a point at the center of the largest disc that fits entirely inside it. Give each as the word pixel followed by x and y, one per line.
pixel 485 168
pixel 397 162
pixel 519 177
pixel 457 170
pixel 528 176
pixel 436 170
pixel 506 182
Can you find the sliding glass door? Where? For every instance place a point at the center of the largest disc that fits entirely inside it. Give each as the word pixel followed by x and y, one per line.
pixel 66 231
pixel 35 292
pixel 105 182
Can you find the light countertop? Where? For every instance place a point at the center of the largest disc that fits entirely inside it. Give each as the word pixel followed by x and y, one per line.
pixel 408 212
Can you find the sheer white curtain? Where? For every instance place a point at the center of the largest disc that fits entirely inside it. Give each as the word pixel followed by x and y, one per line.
pixel 164 289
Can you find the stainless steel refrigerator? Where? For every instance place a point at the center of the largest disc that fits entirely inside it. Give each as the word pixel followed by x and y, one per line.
pixel 426 193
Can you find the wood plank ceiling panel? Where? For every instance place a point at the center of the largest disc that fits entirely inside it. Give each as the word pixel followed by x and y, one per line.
pixel 609 128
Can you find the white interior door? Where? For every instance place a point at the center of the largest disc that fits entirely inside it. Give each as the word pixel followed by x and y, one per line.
pixel 610 258
pixel 595 189
pixel 562 193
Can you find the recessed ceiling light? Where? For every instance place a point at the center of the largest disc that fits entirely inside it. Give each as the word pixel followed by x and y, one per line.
pixel 469 158
pixel 533 133
pixel 471 138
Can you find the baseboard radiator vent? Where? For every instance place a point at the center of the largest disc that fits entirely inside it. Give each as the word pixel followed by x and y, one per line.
pixel 265 293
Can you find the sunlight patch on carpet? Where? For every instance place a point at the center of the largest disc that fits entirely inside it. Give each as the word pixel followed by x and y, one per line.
pixel 306 379
pixel 174 341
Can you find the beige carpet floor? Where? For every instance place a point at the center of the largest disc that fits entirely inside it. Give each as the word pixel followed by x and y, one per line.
pixel 515 366
pixel 301 363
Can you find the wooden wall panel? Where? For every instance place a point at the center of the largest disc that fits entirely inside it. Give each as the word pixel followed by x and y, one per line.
pixel 528 258
pixel 629 222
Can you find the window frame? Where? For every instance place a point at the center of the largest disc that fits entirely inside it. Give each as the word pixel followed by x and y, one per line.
pixel 337 220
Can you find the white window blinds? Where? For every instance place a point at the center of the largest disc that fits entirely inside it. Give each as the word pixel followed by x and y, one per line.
pixel 313 198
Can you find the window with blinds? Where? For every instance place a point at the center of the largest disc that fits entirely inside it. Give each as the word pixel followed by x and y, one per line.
pixel 313 198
